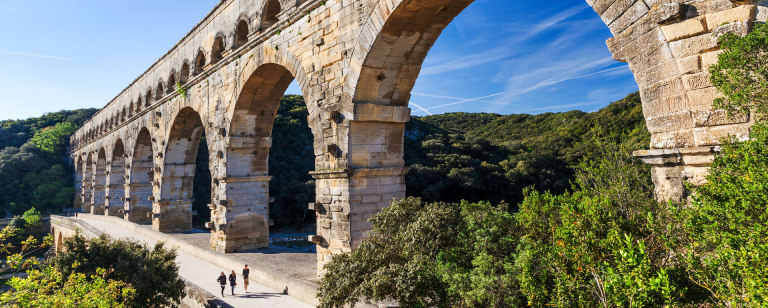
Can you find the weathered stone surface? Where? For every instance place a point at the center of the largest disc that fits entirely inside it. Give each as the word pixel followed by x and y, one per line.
pixel 685 29
pixel 740 28
pixel 356 62
pixel 694 45
pixel 718 117
pixel 738 14
pixel 696 81
pixel 709 58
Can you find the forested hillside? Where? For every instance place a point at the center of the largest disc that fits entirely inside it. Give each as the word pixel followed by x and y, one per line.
pixel 453 157
pixel 33 169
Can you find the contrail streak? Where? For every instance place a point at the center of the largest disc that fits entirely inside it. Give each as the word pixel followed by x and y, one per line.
pixel 466 100
pixel 34 55
pixel 420 108
pixel 440 96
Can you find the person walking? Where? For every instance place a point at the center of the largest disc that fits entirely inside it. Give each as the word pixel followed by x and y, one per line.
pixel 233 281
pixel 246 272
pixel 223 282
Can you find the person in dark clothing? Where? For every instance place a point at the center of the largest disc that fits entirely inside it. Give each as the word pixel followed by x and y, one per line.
pixel 223 282
pixel 246 272
pixel 233 281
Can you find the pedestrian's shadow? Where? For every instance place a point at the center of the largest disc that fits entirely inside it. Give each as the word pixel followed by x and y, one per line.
pixel 256 295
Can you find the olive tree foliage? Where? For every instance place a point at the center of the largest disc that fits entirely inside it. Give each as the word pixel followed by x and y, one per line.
pixel 151 272
pixel 741 73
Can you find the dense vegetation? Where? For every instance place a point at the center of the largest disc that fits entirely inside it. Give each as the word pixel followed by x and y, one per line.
pixel 604 243
pixel 33 167
pixel 453 157
pixel 461 156
pixel 607 243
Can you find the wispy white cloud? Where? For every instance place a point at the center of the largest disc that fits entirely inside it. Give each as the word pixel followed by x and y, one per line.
pixel 35 55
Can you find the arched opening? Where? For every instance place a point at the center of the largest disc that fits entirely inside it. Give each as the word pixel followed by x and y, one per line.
pixel 217 50
pixel 78 181
pixel 176 191
pixel 245 224
pixel 59 242
pixel 130 110
pixel 269 14
pixel 148 98
pixel 200 62
pixel 122 115
pixel 184 75
pixel 140 179
pixel 159 91
pixel 171 82
pixel 99 186
pixel 87 184
pixel 115 205
pixel 241 34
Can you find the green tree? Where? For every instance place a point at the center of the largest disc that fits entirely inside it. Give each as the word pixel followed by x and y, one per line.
pixel 49 288
pixel 429 255
pixel 741 74
pixel 53 140
pixel 728 224
pixel 151 272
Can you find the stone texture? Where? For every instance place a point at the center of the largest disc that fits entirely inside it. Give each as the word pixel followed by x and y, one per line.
pixel 737 14
pixel 356 62
pixel 685 29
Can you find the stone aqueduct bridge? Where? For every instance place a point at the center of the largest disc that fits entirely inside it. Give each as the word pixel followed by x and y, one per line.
pixel 356 62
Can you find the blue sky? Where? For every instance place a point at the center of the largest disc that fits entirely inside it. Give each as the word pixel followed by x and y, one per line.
pixel 497 56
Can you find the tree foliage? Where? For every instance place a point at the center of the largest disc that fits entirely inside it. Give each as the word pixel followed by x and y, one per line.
pixel 741 73
pixel 607 243
pixel 53 140
pixel 32 172
pixel 151 272
pixel 728 224
pixel 49 288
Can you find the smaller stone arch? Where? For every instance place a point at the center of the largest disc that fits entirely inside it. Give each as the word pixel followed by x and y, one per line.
pixel 217 49
pixel 269 14
pixel 184 73
pixel 241 34
pixel 200 62
pixel 148 98
pixel 171 82
pixel 59 242
pixel 130 109
pixel 159 90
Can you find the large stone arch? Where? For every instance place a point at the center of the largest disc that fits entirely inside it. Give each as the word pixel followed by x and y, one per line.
pixel 173 210
pixel 141 178
pixel 116 187
pixel 356 62
pixel 87 183
pixel 99 182
pixel 78 198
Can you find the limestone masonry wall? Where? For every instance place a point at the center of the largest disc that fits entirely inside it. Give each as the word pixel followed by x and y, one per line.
pixel 356 62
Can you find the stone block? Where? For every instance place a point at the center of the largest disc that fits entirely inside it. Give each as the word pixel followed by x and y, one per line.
pixel 685 29
pixel 674 139
pixel 701 99
pixel 690 64
pixel 718 117
pixel 739 13
pixel 696 81
pixel 633 14
pixel 714 135
pixel 710 58
pixel 694 45
pixel 670 122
